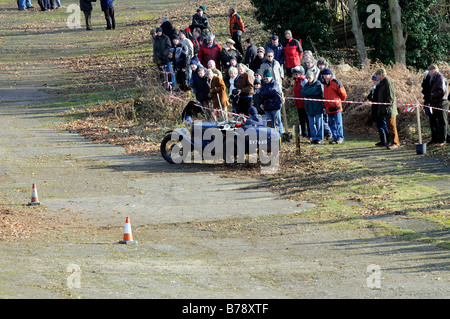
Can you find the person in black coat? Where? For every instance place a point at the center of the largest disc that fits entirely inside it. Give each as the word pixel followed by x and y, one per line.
pixel 258 60
pixel 168 28
pixel 86 7
pixel 200 84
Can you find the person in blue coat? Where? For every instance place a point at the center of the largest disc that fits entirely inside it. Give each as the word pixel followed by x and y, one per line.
pixel 108 9
pixel 271 98
pixel 313 89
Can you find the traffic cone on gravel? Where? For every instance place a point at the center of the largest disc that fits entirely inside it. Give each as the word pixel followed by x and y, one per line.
pixel 127 234
pixel 34 197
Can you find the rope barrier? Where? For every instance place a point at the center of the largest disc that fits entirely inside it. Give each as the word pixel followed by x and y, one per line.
pixel 359 102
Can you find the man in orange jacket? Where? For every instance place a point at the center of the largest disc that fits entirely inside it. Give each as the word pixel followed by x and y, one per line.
pixel 236 28
pixel 335 91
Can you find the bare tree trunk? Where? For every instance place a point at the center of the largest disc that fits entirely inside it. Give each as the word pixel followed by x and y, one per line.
pixel 357 31
pixel 397 32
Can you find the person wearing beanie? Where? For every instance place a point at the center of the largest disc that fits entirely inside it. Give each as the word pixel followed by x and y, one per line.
pixel 321 65
pixel 255 119
pixel 271 98
pixel 267 74
pixel 435 93
pixel 380 122
pixel 335 91
pixel 385 93
pixel 298 74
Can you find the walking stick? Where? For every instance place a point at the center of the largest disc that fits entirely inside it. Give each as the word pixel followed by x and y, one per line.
pixel 221 109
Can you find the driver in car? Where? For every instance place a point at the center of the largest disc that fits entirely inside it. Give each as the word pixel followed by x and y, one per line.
pixel 255 119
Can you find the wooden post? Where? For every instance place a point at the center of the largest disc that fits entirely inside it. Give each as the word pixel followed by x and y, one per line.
pixel 419 128
pixel 297 133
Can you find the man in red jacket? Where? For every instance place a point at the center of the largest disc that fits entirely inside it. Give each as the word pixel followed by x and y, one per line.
pixel 293 52
pixel 298 73
pixel 335 91
pixel 210 50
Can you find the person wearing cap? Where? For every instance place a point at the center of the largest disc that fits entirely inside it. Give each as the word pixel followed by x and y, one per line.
pixel 313 89
pixel 228 53
pixel 236 28
pixel 385 93
pixel 271 98
pixel 298 74
pixel 435 93
pixel 277 49
pixel 259 59
pixel 200 20
pixel 244 89
pixel 217 91
pixel 210 50
pixel 293 52
pixel 380 122
pixel 333 90
pixel 255 118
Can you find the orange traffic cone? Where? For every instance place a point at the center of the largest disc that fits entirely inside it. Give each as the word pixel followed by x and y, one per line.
pixel 127 234
pixel 34 197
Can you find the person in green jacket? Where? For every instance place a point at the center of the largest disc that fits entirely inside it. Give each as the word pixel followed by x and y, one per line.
pixel 385 93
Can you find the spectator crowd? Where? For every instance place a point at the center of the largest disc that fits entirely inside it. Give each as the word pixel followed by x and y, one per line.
pixel 249 79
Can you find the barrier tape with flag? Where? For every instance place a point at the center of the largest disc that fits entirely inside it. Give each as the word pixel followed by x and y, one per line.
pixel 410 109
